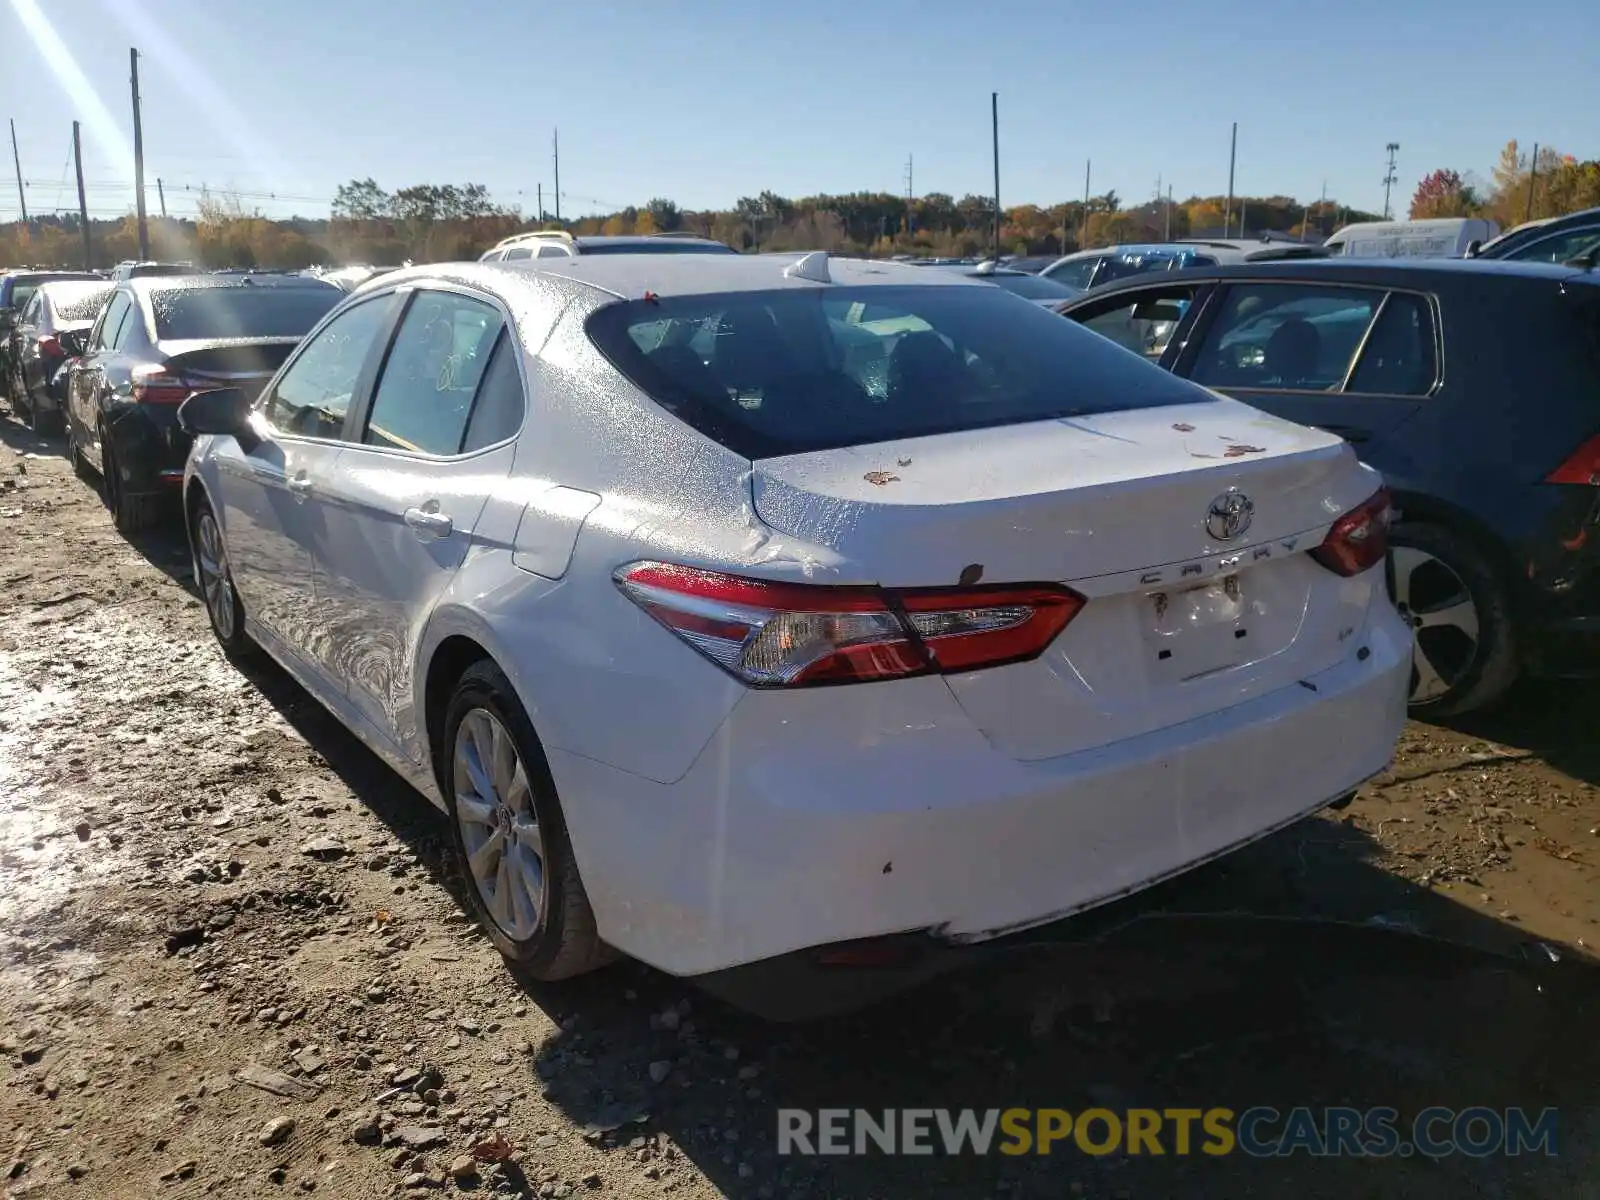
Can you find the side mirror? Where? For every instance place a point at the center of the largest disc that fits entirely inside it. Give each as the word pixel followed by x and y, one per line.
pixel 74 341
pixel 1473 247
pixel 221 411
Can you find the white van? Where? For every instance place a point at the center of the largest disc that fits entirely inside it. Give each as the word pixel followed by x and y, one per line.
pixel 1448 237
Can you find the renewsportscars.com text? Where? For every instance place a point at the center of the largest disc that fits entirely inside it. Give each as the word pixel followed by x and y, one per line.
pixel 1259 1132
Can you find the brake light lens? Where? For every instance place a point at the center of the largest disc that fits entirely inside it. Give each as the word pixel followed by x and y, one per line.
pixel 1582 468
pixel 152 384
pixel 775 635
pixel 49 345
pixel 1359 539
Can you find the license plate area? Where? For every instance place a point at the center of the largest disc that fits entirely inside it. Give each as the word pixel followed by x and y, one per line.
pixel 1198 631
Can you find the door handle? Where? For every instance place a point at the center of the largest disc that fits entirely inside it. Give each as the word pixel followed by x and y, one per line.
pixel 436 524
pixel 299 484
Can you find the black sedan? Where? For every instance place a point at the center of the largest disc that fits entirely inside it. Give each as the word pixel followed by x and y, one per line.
pixel 158 341
pixel 1470 384
pixel 16 289
pixel 53 328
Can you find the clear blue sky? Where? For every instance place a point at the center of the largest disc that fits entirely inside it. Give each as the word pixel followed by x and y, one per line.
pixel 708 100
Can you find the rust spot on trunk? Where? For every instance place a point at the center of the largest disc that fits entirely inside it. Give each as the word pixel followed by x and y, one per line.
pixel 1239 450
pixel 881 478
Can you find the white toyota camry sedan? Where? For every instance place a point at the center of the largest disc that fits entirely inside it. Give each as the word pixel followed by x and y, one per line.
pixel 744 610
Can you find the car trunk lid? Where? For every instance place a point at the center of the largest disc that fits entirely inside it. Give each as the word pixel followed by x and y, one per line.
pixel 1189 609
pixel 244 363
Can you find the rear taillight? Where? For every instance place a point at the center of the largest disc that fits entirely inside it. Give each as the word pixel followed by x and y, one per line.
pixel 1359 539
pixel 770 634
pixel 152 384
pixel 1582 468
pixel 49 345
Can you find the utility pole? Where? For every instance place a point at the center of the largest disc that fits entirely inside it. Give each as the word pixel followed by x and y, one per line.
pixel 994 115
pixel 555 145
pixel 1168 235
pixel 161 192
pixel 1533 174
pixel 1233 156
pixel 1243 204
pixel 138 157
pixel 21 199
pixel 1389 179
pixel 83 204
pixel 540 188
pixel 1083 233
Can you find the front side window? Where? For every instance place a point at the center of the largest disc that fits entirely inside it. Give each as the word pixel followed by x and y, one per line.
pixel 791 371
pixel 1558 248
pixel 1285 337
pixel 312 397
pixel 553 252
pixel 424 396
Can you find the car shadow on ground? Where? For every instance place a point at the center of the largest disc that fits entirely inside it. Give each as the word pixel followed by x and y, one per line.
pixel 1556 721
pixel 1292 973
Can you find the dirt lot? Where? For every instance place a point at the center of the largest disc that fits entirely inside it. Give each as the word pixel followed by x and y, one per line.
pixel 218 914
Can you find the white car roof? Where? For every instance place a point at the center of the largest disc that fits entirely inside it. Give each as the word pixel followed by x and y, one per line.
pixel 631 275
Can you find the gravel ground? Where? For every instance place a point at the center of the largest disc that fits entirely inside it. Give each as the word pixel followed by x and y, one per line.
pixel 233 958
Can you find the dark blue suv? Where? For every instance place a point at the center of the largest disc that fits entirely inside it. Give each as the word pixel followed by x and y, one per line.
pixel 1471 384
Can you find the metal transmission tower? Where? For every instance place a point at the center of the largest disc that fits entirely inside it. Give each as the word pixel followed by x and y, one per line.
pixel 1389 179
pixel 910 196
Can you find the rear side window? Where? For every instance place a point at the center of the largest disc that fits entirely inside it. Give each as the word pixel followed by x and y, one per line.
pixel 1285 337
pixel 243 311
pixel 1399 358
pixel 1559 247
pixel 518 253
pixel 797 370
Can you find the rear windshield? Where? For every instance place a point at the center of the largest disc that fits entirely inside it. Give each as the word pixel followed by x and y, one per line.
pixel 786 372
pixel 24 286
pixel 244 311
pixel 78 303
pixel 664 246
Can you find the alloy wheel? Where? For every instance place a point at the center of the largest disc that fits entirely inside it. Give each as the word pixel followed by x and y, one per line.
pixel 499 827
pixel 216 582
pixel 1438 605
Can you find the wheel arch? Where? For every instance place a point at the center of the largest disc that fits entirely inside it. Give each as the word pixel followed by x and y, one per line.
pixel 1422 508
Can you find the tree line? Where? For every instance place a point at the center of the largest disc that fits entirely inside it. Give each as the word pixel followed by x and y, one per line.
pixel 446 222
pixel 1520 188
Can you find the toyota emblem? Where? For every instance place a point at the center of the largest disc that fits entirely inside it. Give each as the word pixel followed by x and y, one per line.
pixel 1230 515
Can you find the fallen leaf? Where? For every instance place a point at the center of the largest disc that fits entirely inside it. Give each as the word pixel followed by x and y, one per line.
pixel 880 478
pixel 1239 450
pixel 495 1149
pixel 1181 427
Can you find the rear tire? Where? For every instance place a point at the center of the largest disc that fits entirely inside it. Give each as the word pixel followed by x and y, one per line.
pixel 132 514
pixel 80 463
pixel 1450 593
pixel 213 575
pixel 509 833
pixel 45 424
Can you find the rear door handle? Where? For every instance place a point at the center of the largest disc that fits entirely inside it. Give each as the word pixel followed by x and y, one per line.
pixel 299 484
pixel 435 524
